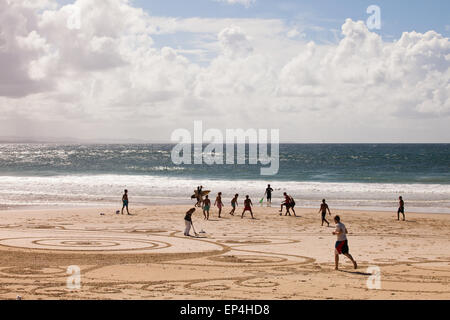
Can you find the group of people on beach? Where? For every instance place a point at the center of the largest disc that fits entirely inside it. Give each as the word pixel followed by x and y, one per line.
pixel 341 245
pixel 206 206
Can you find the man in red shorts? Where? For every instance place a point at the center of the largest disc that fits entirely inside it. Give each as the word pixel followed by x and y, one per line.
pixel 247 206
pixel 341 246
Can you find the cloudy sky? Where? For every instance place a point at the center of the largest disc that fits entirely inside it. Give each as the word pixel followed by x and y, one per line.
pixel 121 69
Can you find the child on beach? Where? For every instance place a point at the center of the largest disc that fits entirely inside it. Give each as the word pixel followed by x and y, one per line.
pixel 323 209
pixel 219 203
pixel 247 206
pixel 234 204
pixel 125 202
pixel 206 207
pixel 401 209
pixel 341 246
pixel 188 222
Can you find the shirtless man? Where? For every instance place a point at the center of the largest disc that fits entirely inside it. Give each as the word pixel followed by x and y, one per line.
pixel 285 203
pixel 234 204
pixel 401 209
pixel 323 209
pixel 125 202
pixel 206 207
pixel 341 246
pixel 289 203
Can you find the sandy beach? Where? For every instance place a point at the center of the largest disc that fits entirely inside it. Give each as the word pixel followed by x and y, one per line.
pixel 146 256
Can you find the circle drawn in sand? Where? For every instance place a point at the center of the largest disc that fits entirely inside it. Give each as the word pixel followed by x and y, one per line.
pixel 35 272
pixel 160 287
pixel 245 241
pixel 247 259
pixel 257 283
pixel 45 227
pixel 85 244
pixel 207 285
pixel 105 290
pixel 147 231
pixel 385 260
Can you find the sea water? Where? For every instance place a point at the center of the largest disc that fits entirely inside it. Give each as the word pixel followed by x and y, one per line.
pixel 355 176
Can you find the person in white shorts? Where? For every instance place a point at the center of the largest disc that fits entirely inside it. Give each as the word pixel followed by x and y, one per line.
pixel 341 246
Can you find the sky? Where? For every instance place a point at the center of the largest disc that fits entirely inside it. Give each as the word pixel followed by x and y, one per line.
pixel 136 70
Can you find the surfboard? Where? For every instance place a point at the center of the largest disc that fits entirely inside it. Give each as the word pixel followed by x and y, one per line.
pixel 204 193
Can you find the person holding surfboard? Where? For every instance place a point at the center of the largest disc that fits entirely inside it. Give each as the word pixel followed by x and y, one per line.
pixel 247 207
pixel 234 204
pixel 199 196
pixel 219 203
pixel 206 207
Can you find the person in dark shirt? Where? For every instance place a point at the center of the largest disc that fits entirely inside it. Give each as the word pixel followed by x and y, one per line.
pixel 247 206
pixel 268 193
pixel 125 202
pixel 188 222
pixel 401 209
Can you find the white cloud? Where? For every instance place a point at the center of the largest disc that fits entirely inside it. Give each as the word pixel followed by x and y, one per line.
pixel 108 79
pixel 246 3
pixel 235 42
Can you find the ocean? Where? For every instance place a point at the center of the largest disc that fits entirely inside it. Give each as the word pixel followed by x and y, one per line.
pixel 349 176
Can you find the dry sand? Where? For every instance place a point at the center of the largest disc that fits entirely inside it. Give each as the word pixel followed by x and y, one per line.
pixel 146 256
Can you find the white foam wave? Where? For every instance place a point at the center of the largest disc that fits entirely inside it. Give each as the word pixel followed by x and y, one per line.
pixel 107 189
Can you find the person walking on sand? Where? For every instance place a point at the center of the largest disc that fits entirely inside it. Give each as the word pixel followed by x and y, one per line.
pixel 401 209
pixel 234 204
pixel 268 194
pixel 341 246
pixel 188 222
pixel 219 203
pixel 125 202
pixel 247 207
pixel 206 207
pixel 323 209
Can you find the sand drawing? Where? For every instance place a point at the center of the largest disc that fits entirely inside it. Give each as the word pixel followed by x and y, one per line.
pixel 144 261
